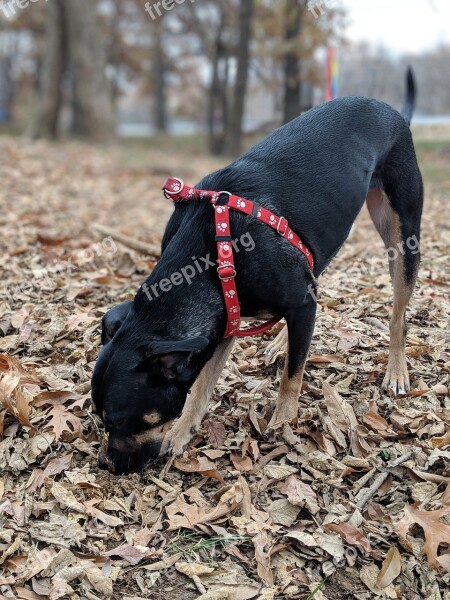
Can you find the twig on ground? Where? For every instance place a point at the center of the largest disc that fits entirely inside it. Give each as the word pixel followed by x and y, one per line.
pixel 198 584
pixel 363 480
pixel 147 248
pixel 365 495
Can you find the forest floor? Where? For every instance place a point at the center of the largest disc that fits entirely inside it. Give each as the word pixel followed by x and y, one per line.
pixel 352 502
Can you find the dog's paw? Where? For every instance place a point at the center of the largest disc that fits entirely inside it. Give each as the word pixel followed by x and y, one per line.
pixel 284 414
pixel 278 344
pixel 396 379
pixel 177 440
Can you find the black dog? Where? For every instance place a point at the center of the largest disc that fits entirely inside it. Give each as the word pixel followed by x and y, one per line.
pixel 317 171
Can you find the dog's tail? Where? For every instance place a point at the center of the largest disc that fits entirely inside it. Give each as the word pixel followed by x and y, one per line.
pixel 410 101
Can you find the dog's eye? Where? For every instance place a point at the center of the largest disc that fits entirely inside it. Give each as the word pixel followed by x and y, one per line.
pixel 117 423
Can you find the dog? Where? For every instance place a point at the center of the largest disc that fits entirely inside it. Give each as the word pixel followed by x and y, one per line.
pixel 317 171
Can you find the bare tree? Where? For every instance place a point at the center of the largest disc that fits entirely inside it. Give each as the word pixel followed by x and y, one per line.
pixel 73 45
pixel 46 118
pixel 292 75
pixel 218 101
pixel 92 110
pixel 160 77
pixel 240 86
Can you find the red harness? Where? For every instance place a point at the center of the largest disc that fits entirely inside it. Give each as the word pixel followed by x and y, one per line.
pixel 176 190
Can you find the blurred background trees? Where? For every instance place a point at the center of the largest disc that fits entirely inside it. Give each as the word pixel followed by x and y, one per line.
pixel 223 68
pixel 73 59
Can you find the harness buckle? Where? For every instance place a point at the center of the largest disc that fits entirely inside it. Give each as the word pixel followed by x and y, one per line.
pixel 221 193
pixel 284 222
pixel 226 272
pixel 176 184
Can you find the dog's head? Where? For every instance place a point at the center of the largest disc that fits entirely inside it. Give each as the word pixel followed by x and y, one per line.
pixel 139 387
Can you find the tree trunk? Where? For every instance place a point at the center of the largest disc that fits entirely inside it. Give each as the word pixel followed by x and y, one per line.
pixel 46 117
pixel 218 101
pixel 6 88
pixel 159 79
pixel 240 87
pixel 92 108
pixel 114 53
pixel 291 104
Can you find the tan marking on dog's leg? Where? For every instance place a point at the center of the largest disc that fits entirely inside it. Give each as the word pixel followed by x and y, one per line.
pixel 197 402
pixel 276 345
pixel 388 225
pixel 397 378
pixel 286 408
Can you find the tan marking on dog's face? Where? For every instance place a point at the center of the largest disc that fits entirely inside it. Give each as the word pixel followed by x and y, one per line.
pixel 153 417
pixel 155 434
pixel 123 445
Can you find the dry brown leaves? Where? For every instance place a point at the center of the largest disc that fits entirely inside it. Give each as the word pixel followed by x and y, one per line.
pixel 352 502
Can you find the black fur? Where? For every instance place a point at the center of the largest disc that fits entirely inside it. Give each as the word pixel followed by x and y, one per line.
pixel 316 171
pixel 113 319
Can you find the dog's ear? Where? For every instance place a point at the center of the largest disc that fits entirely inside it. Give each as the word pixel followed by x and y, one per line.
pixel 173 358
pixel 113 320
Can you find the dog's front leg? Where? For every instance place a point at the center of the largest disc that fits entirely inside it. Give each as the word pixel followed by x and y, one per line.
pixel 196 405
pixel 300 325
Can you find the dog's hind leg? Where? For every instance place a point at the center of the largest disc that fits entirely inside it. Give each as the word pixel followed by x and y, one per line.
pixel 396 216
pixel 300 327
pixel 196 405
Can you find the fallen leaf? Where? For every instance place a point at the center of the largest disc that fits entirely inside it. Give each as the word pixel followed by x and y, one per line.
pixel 262 543
pixel 189 516
pixel 66 498
pixel 376 422
pixel 279 472
pixel 390 569
pixel 54 397
pixel 441 442
pixel 54 467
pixel 193 569
pixel 217 434
pixel 98 514
pixel 351 535
pixel 62 421
pixel 200 465
pixel 339 410
pixel 369 576
pixel 243 464
pixel 98 581
pixel 130 553
pixel 300 494
pixel 283 512
pixel 436 531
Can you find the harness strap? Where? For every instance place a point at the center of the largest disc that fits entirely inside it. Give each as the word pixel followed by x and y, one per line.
pixel 176 190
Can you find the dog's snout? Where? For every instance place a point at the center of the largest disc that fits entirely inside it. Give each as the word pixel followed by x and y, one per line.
pixel 122 462
pixel 101 461
pixel 105 462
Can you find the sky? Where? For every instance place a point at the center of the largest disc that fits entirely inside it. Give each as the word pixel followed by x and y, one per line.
pixel 399 25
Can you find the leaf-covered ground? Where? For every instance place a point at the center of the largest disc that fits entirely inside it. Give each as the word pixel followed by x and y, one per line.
pixel 352 502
